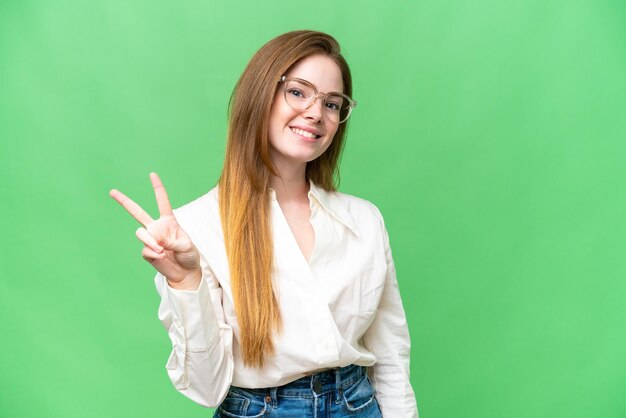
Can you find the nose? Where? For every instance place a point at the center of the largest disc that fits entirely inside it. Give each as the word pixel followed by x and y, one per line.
pixel 315 111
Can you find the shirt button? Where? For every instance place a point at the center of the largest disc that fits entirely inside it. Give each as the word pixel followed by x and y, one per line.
pixel 317 386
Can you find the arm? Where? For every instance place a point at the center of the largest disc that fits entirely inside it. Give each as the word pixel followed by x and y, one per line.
pixel 388 339
pixel 201 362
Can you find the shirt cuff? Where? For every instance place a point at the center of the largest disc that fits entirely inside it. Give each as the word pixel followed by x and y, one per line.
pixel 194 323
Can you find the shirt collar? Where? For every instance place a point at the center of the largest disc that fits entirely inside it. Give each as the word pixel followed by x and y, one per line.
pixel 336 208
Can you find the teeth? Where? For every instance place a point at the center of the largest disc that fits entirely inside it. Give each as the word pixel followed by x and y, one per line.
pixel 304 133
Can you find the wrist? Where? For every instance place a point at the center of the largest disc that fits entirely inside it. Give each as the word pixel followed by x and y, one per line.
pixel 190 282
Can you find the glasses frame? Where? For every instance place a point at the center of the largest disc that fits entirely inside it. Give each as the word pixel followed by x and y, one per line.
pixel 352 103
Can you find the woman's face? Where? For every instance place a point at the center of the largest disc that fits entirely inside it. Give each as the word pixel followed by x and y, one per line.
pixel 299 136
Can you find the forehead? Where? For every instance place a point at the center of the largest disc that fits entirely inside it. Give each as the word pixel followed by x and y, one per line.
pixel 320 70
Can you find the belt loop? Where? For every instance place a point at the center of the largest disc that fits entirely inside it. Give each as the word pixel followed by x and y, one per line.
pixel 274 397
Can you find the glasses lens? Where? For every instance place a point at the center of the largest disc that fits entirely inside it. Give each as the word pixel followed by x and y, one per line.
pixel 338 107
pixel 298 94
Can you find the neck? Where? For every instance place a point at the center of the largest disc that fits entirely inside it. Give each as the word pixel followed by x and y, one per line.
pixel 290 184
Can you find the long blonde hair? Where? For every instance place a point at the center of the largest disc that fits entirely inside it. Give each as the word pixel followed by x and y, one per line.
pixel 244 184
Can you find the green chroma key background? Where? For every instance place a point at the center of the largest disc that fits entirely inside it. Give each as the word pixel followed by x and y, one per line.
pixel 491 134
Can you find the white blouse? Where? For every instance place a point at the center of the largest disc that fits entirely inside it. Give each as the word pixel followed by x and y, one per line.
pixel 341 307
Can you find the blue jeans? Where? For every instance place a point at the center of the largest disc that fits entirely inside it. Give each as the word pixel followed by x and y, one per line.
pixel 338 393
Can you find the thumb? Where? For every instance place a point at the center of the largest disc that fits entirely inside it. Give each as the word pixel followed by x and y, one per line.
pixel 177 245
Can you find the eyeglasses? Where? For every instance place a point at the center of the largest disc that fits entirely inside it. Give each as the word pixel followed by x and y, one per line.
pixel 300 95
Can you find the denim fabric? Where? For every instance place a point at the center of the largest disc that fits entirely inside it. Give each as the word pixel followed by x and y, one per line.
pixel 337 393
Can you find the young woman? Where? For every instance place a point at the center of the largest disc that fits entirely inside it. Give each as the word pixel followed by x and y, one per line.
pixel 278 292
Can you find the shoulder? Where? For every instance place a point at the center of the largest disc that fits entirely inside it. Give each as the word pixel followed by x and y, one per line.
pixel 202 211
pixel 358 206
pixel 360 215
pixel 199 204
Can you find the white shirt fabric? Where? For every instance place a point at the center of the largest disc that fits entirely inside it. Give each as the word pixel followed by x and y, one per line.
pixel 339 308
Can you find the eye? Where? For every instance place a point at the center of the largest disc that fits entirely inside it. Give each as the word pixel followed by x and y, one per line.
pixel 297 93
pixel 332 106
pixel 333 102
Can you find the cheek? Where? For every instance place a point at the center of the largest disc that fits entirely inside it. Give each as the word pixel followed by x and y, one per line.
pixel 329 140
pixel 332 131
pixel 280 116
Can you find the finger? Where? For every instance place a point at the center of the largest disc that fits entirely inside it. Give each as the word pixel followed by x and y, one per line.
pixel 148 240
pixel 131 207
pixel 151 256
pixel 178 245
pixel 163 201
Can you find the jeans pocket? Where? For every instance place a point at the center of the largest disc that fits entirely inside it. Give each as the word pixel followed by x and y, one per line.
pixel 359 396
pixel 241 404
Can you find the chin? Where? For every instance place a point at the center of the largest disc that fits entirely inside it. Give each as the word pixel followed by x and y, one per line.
pixel 297 158
pixel 294 150
pixel 305 158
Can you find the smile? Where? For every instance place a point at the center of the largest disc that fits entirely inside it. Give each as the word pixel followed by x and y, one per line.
pixel 304 133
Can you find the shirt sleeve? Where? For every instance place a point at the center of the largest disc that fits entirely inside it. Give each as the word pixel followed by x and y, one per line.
pixel 388 339
pixel 201 362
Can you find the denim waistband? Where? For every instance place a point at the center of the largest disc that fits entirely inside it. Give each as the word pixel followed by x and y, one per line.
pixel 327 381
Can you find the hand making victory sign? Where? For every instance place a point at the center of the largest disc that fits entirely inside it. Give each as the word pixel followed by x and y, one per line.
pixel 166 246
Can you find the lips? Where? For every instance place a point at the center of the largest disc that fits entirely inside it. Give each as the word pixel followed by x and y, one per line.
pixel 305 132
